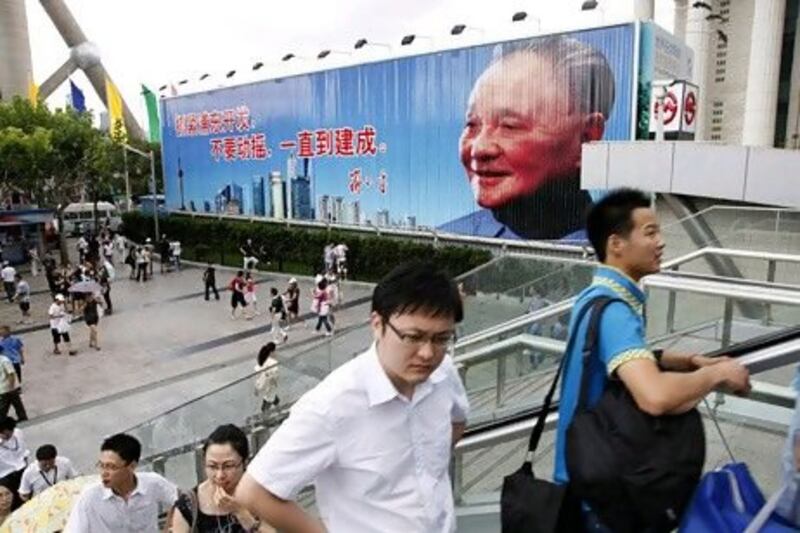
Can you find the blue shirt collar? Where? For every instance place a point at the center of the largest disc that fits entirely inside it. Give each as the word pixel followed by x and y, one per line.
pixel 621 284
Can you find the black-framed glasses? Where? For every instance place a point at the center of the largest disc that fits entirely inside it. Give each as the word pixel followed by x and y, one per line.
pixel 225 467
pixel 437 340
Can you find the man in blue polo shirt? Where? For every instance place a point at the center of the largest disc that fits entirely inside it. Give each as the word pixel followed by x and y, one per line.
pixel 628 242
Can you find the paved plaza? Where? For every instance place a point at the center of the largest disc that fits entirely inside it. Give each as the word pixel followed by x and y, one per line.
pixel 163 346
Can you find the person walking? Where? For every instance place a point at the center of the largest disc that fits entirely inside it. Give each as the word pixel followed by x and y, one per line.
pixel 124 500
pixel 8 274
pixel 14 455
pixel 236 287
pixel 292 301
pixel 36 263
pixel 321 306
pixel 130 260
pixel 211 507
pixel 23 298
pixel 13 348
pixel 48 470
pixel 210 281
pixel 108 251
pixel 149 248
pixel 104 278
pixel 164 252
pixel 91 317
pixel 250 297
pixel 10 390
pixel 278 313
pixel 249 259
pixel 141 265
pixel 59 324
pixel 266 385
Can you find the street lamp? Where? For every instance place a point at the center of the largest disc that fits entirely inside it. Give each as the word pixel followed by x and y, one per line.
pixel 151 156
pixel 408 39
pixel 361 43
pixel 325 53
pixel 520 16
pixel 458 29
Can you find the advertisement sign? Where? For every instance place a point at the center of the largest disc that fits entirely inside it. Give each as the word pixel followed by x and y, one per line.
pixel 679 106
pixel 479 141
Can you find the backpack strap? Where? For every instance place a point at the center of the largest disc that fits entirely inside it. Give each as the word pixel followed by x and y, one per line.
pixel 538 429
pixel 598 305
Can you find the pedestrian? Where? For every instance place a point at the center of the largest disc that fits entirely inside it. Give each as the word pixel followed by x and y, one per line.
pixel 249 259
pixel 59 325
pixel 8 275
pixel 48 470
pixel 210 281
pixel 164 252
pixel 49 265
pixel 93 249
pixel 108 251
pixel 14 455
pixel 130 260
pixel 210 507
pixel 6 502
pixel 23 298
pixel 124 500
pixel 149 248
pixel 250 297
pixel 141 265
pixel 105 278
pixel 120 242
pixel 176 251
pixel 91 317
pixel 340 258
pixel 277 313
pixel 13 348
pixel 375 437
pixel 236 287
pixel 292 299
pixel 328 257
pixel 83 248
pixel 266 386
pixel 10 389
pixel 627 239
pixel 321 306
pixel 36 263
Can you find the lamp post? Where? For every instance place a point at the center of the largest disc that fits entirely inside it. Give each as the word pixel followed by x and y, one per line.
pixel 151 156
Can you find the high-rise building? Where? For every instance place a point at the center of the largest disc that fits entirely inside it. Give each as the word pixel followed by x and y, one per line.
pixel 411 222
pixel 301 198
pixel 337 209
pixel 324 208
pixel 278 195
pixel 206 206
pixel 259 196
pixel 229 200
pixel 382 218
pixel 352 213
pixel 15 65
pixel 291 174
pixel 747 64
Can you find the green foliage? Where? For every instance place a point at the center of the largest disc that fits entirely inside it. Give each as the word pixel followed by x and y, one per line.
pixel 298 250
pixel 54 155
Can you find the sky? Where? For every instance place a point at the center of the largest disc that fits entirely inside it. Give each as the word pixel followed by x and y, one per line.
pixel 160 42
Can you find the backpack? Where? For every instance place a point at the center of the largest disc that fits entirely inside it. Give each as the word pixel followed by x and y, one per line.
pixel 636 471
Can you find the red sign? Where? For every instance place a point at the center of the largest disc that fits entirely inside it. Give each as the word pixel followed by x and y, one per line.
pixel 689 108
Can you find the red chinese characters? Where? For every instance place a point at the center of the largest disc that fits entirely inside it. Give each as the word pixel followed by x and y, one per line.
pixel 366 141
pixel 214 122
pixel 383 182
pixel 240 148
pixel 243 118
pixel 216 149
pixel 338 142
pixel 355 181
pixel 344 142
pixel 324 142
pixel 259 144
pixel 304 144
pixel 229 148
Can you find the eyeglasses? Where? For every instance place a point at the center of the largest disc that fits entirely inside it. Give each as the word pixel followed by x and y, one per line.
pixel 226 467
pixel 437 340
pixel 109 467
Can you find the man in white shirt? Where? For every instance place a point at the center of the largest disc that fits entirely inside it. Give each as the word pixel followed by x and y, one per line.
pixel 375 436
pixel 8 273
pixel 49 469
pixel 124 501
pixel 59 325
pixel 13 456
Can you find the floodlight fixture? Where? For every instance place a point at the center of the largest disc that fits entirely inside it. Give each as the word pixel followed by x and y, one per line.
pixel 589 5
pixel 519 16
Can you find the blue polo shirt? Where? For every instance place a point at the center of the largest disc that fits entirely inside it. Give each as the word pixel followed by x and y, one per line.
pixel 11 347
pixel 621 338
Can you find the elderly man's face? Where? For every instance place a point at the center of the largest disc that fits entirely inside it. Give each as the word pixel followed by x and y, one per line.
pixel 520 131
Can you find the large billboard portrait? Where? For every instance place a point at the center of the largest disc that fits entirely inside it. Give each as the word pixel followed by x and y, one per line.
pixel 482 141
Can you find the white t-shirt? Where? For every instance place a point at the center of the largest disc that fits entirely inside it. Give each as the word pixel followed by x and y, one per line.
pixel 35 481
pixel 13 454
pixel 59 319
pixel 8 274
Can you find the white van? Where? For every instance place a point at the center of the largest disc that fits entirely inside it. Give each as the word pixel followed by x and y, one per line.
pixel 78 217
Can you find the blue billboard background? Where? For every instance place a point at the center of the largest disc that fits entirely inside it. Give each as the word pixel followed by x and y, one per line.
pixel 220 147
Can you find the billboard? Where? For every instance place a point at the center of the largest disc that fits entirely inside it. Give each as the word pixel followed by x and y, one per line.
pixel 479 141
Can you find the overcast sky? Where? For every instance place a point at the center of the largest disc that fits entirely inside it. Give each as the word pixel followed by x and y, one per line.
pixel 158 42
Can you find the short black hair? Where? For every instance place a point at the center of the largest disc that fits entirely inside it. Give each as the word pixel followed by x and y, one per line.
pixel 124 445
pixel 239 273
pixel 613 216
pixel 46 453
pixel 417 286
pixel 273 291
pixel 265 352
pixel 229 434
pixel 8 423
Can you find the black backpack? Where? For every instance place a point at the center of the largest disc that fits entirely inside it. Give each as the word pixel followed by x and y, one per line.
pixel 636 471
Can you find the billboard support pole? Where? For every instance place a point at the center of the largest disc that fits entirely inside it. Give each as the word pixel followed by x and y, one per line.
pixel 153 191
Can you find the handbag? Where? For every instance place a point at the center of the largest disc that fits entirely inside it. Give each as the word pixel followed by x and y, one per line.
pixel 728 500
pixel 636 471
pixel 530 505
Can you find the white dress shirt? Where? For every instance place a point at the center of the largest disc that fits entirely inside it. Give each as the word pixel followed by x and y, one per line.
pixel 35 481
pixel 379 462
pixel 13 454
pixel 99 510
